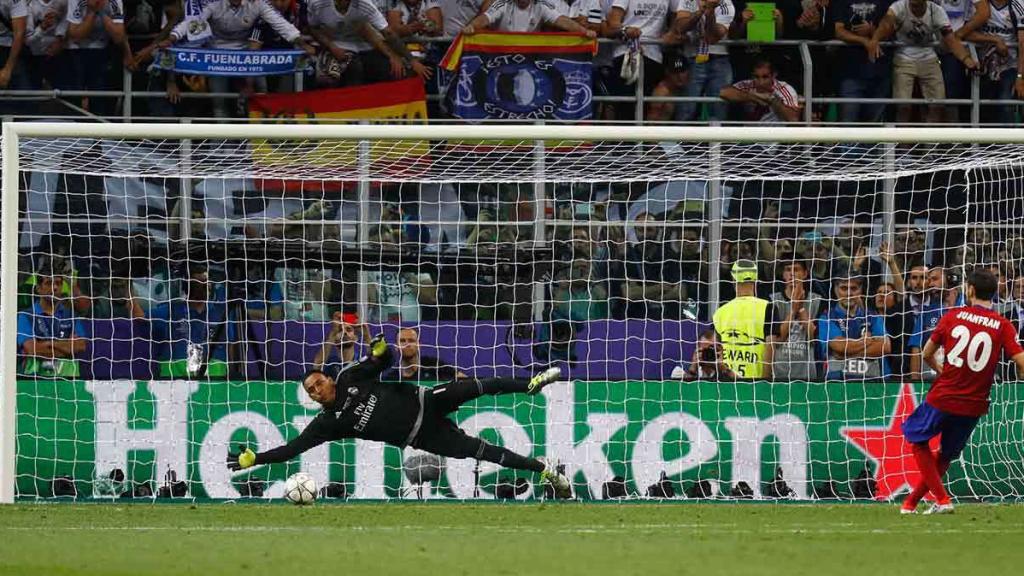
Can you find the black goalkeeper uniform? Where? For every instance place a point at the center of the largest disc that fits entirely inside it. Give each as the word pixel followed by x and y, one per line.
pixel 402 414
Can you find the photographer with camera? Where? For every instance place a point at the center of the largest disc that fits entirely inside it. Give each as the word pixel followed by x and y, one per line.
pixel 707 363
pixel 943 293
pixel 340 345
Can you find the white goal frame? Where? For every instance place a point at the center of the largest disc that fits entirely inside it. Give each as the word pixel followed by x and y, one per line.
pixel 13 132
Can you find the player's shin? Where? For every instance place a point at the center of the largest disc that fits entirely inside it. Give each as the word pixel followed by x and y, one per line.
pixel 509 459
pixel 930 476
pixel 921 489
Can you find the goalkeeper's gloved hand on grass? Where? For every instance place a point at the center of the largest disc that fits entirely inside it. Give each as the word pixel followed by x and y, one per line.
pixel 244 458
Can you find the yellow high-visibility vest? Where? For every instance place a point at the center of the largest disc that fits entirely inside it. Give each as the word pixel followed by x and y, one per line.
pixel 740 327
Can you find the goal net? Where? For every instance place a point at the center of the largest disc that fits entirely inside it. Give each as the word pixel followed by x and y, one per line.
pixel 166 286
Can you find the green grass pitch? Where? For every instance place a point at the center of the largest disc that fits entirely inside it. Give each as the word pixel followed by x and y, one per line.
pixel 557 539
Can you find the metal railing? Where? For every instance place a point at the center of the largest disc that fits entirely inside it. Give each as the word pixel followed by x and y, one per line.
pixel 127 94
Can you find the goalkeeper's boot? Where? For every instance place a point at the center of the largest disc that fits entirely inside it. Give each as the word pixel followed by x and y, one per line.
pixel 937 508
pixel 538 382
pixel 559 483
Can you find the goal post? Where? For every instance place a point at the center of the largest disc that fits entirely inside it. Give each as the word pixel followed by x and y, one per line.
pixel 518 197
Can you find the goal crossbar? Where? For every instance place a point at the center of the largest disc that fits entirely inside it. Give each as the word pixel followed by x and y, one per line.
pixel 694 134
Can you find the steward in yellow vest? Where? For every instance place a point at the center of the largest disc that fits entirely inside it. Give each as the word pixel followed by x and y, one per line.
pixel 745 325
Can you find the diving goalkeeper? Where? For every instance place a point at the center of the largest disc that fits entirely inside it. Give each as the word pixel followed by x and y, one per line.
pixel 356 404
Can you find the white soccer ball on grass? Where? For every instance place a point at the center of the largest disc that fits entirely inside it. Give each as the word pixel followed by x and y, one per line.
pixel 300 489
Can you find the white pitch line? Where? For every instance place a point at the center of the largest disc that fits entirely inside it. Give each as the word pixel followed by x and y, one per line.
pixel 910 528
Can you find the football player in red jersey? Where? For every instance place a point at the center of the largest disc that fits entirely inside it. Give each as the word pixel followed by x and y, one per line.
pixel 973 338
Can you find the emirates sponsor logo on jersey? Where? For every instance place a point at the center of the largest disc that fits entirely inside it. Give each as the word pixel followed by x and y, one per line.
pixel 364 412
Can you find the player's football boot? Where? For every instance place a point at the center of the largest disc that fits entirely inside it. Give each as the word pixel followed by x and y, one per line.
pixel 538 382
pixel 559 483
pixel 940 508
pixel 906 510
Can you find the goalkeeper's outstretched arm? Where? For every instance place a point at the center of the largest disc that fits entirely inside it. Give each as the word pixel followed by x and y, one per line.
pixel 311 437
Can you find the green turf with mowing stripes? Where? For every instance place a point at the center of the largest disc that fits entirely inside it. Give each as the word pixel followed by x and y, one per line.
pixel 550 540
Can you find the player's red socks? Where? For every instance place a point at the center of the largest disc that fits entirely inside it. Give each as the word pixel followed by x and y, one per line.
pixel 930 476
pixel 921 489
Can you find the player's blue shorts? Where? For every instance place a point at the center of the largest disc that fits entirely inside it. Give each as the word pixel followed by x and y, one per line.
pixel 927 422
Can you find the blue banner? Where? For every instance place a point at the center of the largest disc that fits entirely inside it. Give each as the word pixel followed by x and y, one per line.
pixel 521 76
pixel 213 62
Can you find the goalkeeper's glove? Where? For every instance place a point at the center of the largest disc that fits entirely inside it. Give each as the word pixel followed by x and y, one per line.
pixel 378 346
pixel 245 458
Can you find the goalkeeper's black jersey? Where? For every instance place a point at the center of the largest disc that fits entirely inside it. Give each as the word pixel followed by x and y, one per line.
pixel 364 408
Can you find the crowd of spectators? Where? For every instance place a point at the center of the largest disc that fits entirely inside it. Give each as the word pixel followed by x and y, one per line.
pixel 84 44
pixel 842 297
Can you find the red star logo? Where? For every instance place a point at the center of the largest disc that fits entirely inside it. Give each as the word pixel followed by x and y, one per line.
pixel 896 468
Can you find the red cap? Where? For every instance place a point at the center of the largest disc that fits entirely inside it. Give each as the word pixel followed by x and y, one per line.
pixel 349 318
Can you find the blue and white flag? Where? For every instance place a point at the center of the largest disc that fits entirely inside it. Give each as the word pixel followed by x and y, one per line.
pixel 535 76
pixel 214 62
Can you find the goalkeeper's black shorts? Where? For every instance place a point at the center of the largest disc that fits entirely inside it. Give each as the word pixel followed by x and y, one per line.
pixel 438 434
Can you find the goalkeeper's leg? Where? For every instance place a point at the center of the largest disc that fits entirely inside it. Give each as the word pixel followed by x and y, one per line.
pixel 447 398
pixel 444 438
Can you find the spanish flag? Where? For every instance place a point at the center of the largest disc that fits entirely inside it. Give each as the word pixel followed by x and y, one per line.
pixel 403 101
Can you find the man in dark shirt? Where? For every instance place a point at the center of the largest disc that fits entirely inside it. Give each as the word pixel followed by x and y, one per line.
pixel 414 367
pixel 356 404
pixel 855 22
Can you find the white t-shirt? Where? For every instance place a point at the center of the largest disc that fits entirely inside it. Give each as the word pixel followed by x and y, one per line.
pixel 38 39
pixel 507 16
pixel 918 33
pixel 651 17
pixel 396 297
pixel 724 15
pixel 418 12
pixel 98 38
pixel 781 90
pixel 959 11
pixel 12 9
pixel 343 29
pixel 1000 23
pixel 458 13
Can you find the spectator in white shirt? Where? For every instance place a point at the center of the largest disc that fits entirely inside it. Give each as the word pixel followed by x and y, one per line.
pixel 459 13
pixel 630 22
pixel 48 30
pixel 411 18
pixel 765 98
pixel 524 16
pixel 13 29
pixel 916 24
pixel 357 36
pixel 705 23
pixel 92 26
pixel 1002 65
pixel 416 18
pixel 965 16
pixel 230 23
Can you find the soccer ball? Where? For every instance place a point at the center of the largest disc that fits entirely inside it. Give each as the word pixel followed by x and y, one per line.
pixel 300 489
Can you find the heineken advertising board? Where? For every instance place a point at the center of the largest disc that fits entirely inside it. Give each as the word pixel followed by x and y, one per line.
pixel 721 432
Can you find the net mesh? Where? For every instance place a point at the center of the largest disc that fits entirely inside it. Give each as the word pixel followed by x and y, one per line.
pixel 449 161
pixel 172 293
